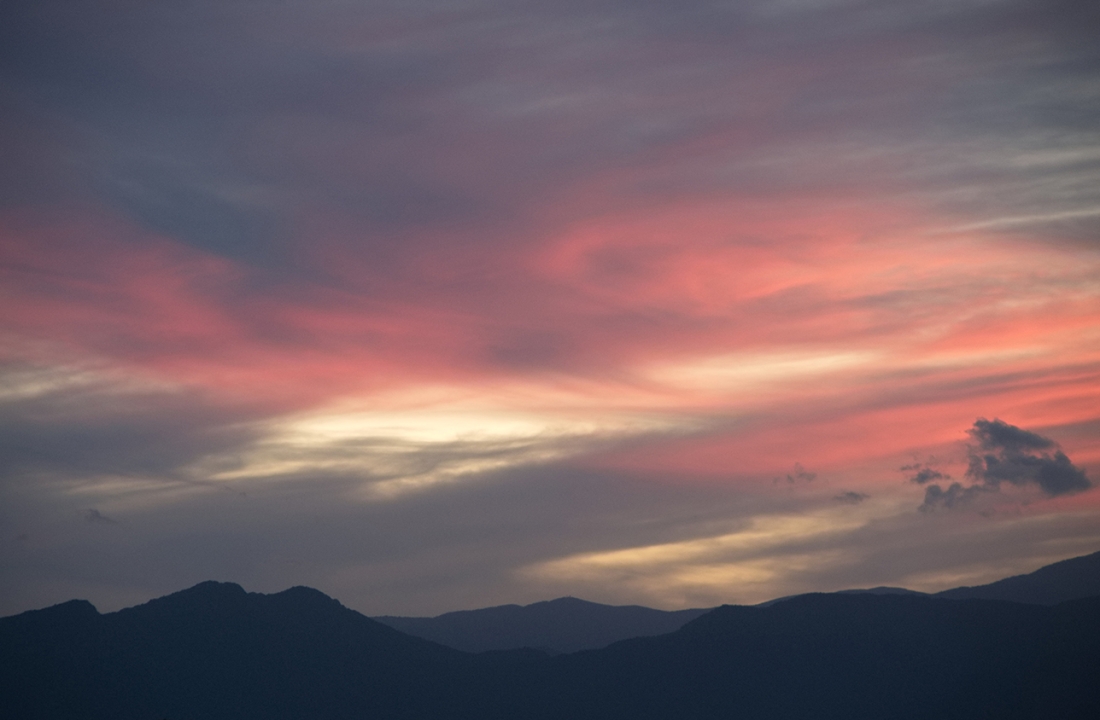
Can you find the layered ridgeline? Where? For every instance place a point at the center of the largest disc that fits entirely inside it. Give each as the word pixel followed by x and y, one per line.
pixel 568 624
pixel 215 651
pixel 556 626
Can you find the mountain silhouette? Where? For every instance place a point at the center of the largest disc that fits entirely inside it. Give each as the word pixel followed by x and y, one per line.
pixel 1071 579
pixel 216 652
pixel 880 590
pixel 569 624
pixel 851 656
pixel 564 625
pixel 1059 582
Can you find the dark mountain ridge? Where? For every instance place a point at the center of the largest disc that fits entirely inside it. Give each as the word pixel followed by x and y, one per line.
pixel 1058 582
pixel 563 625
pixel 861 656
pixel 568 624
pixel 217 652
pixel 214 651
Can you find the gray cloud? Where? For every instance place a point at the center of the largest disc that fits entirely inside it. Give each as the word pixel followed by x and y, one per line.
pixel 214 126
pixel 86 427
pixel 999 436
pixel 954 496
pixel 1003 453
pixel 923 473
pixel 851 497
pixel 800 475
pixel 96 517
pixel 187 205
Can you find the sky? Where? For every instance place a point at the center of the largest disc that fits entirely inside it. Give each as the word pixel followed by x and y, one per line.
pixel 440 305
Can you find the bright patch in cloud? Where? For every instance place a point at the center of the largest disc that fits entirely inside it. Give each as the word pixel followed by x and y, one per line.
pixel 747 562
pixel 749 372
pixel 403 449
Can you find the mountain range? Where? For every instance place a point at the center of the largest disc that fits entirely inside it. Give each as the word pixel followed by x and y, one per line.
pixel 567 624
pixel 556 626
pixel 215 651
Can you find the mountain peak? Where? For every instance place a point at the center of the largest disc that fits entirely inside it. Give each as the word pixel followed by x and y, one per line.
pixel 566 600
pixel 212 588
pixel 563 625
pixel 70 609
pixel 303 597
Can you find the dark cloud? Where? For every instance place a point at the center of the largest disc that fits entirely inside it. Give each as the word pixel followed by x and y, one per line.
pixel 800 475
pixel 999 436
pixel 96 517
pixel 1003 453
pixel 850 497
pixel 955 495
pixel 922 473
pixel 172 202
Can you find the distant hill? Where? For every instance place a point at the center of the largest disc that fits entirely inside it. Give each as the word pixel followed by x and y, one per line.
pixel 1071 579
pixel 558 626
pixel 880 590
pixel 568 624
pixel 218 653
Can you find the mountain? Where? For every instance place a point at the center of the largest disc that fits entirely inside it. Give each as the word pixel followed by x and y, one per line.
pixel 218 653
pixel 851 656
pixel 880 590
pixel 215 651
pixel 564 625
pixel 567 624
pixel 1071 579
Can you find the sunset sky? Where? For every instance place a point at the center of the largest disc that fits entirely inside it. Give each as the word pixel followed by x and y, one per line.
pixel 434 305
